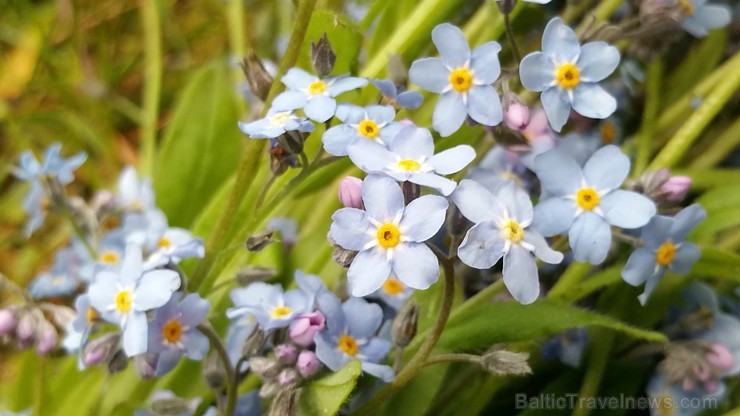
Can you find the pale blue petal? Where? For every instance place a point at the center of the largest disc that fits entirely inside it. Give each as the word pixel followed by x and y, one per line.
pixel 590 238
pixel 537 72
pixel 331 307
pixel 705 18
pixel 650 285
pixel 380 113
pixel 375 350
pixel 484 106
pixel 686 220
pixel 476 203
pixel 135 334
pixel 485 64
pixel 413 143
pixel 155 288
pixel 597 61
pixel 368 271
pixel 298 79
pixel 554 216
pixel 657 231
pixel 606 169
pixel 363 318
pixel 541 249
pixel 167 361
pixel 517 202
pixel 370 156
pixel 590 100
pixel 382 197
pixel 196 345
pixel 380 371
pixel 320 108
pixel 132 264
pixel 452 46
pixel 430 74
pixel 556 104
pixel 103 291
pixel 389 133
pixel 349 228
pixel 452 160
pixel 520 275
pixel 686 255
pixel 386 87
pixel 193 309
pixel 449 113
pixel 627 209
pixel 423 217
pixel 349 113
pixel 431 180
pixel 640 266
pixel 410 99
pixel 337 138
pixel 415 265
pixel 289 100
pixel 345 84
pixel 482 246
pixel 558 172
pixel 560 42
pixel 327 352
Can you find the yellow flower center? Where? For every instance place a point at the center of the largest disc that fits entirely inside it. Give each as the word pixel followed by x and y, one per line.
pixel 164 242
pixel 123 301
pixel 392 286
pixel 317 88
pixel 109 257
pixel 348 345
pixel 172 331
pixel 279 119
pixel 92 316
pixel 686 6
pixel 568 76
pixel 388 235
pixel 461 79
pixel 409 165
pixel 281 312
pixel 369 129
pixel 665 254
pixel 587 198
pixel 513 231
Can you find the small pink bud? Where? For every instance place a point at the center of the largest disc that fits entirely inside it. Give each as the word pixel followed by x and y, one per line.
pixel 308 363
pixel 286 354
pixel 676 188
pixel 46 339
pixel 720 357
pixel 287 377
pixel 688 384
pixel 517 115
pixel 350 194
pixel 7 322
pixel 25 330
pixel 146 365
pixel 305 326
pixel 98 349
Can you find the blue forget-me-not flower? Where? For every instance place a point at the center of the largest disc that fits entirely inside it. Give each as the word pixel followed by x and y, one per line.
pixel 462 78
pixel 315 96
pixel 586 200
pixel 391 95
pixel 372 123
pixel 410 157
pixel 389 237
pixel 567 74
pixel 351 334
pixel 701 17
pixel 664 249
pixel 126 295
pixel 502 228
pixel 275 124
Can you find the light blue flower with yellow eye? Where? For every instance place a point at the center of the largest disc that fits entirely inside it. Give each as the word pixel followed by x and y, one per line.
pixel 350 334
pixel 664 249
pixel 567 74
pixel 269 305
pixel 53 164
pixel 123 297
pixel 502 228
pixel 370 124
pixel 393 293
pixel 586 201
pixel 701 17
pixel 134 194
pixel 36 204
pixel 395 95
pixel 275 124
pixel 410 157
pixel 389 236
pixel 315 96
pixel 462 78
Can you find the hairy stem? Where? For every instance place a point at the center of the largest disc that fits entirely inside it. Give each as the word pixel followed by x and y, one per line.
pixel 510 38
pixel 153 82
pixel 230 373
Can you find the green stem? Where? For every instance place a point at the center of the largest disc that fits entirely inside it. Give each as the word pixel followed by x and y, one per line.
pixel 237 39
pixel 152 84
pixel 252 152
pixel 721 146
pixel 224 356
pixel 419 359
pixel 605 9
pixel 510 38
pixel 709 178
pixel 453 358
pixel 571 277
pixel 652 104
pixel 598 357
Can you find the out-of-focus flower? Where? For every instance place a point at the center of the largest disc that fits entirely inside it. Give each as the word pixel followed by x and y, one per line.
pixel 275 124
pixel 393 293
pixel 391 95
pixel 700 17
pixel 676 188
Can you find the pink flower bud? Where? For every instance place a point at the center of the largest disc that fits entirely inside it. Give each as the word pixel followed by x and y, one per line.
pixel 350 194
pixel 305 326
pixel 287 377
pixel 308 363
pixel 146 365
pixel 7 322
pixel 286 354
pixel 46 339
pixel 98 349
pixel 25 330
pixel 720 357
pixel 676 188
pixel 517 115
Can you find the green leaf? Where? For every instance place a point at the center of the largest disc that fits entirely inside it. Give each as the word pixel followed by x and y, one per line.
pixel 325 396
pixel 414 399
pixel 201 146
pixel 502 322
pixel 718 263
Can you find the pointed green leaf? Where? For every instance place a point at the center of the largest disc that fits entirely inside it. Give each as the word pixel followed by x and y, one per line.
pixel 326 395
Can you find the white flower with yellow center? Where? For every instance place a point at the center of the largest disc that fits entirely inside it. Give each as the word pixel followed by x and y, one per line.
pixel 369 124
pixel 389 237
pixel 275 124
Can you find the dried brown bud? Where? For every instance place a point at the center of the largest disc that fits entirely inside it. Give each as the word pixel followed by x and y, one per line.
pixel 341 255
pixel 505 363
pixel 404 326
pixel 506 6
pixel 322 56
pixel 257 242
pixel 170 406
pixel 398 73
pixel 214 372
pixel 254 343
pixel 251 274
pixel 118 362
pixel 258 78
pixel 285 403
